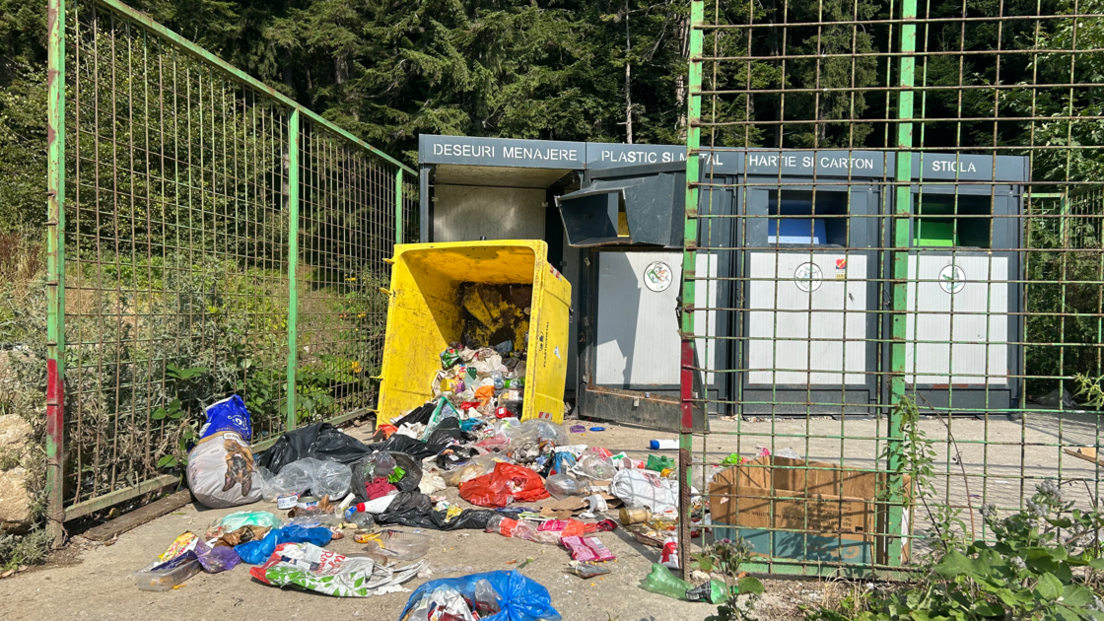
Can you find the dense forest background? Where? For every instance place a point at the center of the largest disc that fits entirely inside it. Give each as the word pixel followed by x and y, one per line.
pixel 606 70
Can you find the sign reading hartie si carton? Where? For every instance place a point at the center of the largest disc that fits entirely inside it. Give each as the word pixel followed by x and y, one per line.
pixel 808 163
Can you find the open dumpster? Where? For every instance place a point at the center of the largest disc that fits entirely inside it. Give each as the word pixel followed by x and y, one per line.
pixel 443 293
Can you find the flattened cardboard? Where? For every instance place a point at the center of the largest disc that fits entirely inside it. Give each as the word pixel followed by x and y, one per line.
pixel 804 510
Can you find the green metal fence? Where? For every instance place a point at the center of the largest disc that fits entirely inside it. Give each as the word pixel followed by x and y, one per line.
pixel 946 229
pixel 207 236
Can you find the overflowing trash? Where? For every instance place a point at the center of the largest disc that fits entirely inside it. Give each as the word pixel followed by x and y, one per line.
pixel 464 460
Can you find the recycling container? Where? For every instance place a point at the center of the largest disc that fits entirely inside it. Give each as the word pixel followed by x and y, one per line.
pixel 808 239
pixel 431 306
pixel 964 281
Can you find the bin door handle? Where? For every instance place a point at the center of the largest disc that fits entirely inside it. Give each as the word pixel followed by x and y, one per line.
pixel 385 292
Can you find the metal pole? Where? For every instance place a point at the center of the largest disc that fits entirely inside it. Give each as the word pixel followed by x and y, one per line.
pixel 398 206
pixel 690 243
pixel 55 279
pixel 902 209
pixel 293 262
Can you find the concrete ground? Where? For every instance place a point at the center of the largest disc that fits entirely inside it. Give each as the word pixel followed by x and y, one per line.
pixel 94 582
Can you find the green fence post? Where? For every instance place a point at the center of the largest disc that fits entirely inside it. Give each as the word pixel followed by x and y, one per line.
pixel 293 262
pixel 398 206
pixel 55 269
pixel 902 209
pixel 690 244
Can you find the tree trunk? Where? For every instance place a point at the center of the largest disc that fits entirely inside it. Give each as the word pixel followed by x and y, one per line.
pixel 628 80
pixel 680 82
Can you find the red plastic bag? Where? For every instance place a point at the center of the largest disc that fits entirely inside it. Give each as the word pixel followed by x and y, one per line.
pixel 505 484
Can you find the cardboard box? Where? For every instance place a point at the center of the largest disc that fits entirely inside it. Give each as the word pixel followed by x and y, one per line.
pixel 812 511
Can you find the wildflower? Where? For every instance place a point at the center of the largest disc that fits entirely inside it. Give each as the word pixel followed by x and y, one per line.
pixel 1017 562
pixel 988 510
pixel 351 279
pixel 1037 509
pixel 355 366
pixel 1048 488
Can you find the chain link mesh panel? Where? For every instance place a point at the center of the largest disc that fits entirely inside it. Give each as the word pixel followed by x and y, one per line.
pixel 192 193
pixel 904 324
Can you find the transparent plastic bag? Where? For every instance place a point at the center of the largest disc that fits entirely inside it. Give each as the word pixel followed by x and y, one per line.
pixel 295 478
pixel 322 478
pixel 269 491
pixel 561 486
pixel 478 466
pixel 234 521
pixel 382 465
pixel 594 466
pixel 332 479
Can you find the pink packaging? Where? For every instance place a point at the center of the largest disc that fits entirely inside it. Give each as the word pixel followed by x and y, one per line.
pixel 587 549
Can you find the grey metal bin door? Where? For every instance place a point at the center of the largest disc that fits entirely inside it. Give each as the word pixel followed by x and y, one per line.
pixel 964 319
pixel 809 328
pixel 637 339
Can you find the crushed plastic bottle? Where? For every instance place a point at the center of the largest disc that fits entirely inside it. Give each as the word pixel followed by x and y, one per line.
pixel 520 529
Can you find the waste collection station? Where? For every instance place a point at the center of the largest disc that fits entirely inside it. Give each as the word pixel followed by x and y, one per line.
pixel 550 272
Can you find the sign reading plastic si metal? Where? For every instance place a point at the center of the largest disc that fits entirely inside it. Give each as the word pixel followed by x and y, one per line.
pixel 808 277
pixel 952 279
pixel 658 276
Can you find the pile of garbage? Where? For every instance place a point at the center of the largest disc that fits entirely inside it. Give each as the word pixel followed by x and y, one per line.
pixel 520 479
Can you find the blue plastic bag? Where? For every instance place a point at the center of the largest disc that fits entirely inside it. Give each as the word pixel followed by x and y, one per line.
pixel 563 462
pixel 257 552
pixel 228 415
pixel 519 598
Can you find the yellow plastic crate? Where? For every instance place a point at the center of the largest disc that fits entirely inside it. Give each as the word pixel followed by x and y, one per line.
pixel 424 315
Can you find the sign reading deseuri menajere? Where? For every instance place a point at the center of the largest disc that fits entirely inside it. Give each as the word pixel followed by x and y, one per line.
pixel 501 152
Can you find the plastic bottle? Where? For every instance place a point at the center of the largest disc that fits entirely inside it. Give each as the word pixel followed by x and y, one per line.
pixel 362 519
pixel 516 383
pixel 663 445
pixel 516 529
pixel 662 581
pixel 499 381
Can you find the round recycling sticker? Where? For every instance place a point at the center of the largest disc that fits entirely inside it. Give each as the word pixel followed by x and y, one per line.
pixel 952 279
pixel 808 277
pixel 658 276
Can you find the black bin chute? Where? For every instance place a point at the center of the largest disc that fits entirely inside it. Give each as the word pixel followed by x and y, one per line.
pixel 649 199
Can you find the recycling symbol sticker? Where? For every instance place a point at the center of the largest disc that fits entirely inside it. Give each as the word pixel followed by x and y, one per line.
pixel 808 277
pixel 658 276
pixel 952 279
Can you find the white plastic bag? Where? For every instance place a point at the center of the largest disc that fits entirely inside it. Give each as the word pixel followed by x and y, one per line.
pixel 643 488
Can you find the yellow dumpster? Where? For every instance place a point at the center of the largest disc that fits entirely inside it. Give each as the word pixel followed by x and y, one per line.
pixel 432 305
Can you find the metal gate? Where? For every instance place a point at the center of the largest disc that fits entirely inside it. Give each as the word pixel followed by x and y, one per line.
pixel 985 292
pixel 207 236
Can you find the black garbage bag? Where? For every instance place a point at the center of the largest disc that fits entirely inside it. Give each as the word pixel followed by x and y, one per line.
pixel 364 471
pixel 410 501
pixel 469 519
pixel 453 456
pixel 446 433
pixel 421 414
pixel 320 440
pixel 417 449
